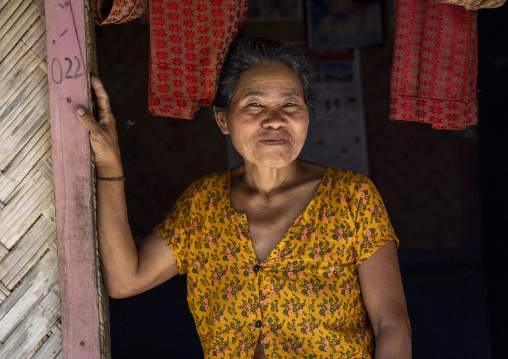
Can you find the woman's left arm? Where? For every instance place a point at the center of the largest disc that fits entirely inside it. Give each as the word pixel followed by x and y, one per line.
pixel 383 295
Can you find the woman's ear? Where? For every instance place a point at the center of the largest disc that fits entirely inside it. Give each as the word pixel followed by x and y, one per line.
pixel 220 118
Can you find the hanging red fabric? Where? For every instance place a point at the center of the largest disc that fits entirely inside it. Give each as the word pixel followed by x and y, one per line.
pixel 435 65
pixel 189 41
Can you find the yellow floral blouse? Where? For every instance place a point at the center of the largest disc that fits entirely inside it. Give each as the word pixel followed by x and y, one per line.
pixel 304 300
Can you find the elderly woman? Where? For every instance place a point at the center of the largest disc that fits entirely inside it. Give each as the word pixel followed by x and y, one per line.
pixel 284 258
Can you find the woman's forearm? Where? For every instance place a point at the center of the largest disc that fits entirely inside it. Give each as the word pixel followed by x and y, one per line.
pixel 383 296
pixel 393 342
pixel 118 252
pixel 125 269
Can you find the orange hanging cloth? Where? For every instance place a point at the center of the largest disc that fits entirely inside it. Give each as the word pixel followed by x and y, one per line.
pixel 435 65
pixel 189 41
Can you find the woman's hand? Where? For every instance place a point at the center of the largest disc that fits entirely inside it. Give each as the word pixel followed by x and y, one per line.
pixel 103 135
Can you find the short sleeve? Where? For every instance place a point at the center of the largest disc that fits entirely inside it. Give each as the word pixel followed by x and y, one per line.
pixel 373 227
pixel 121 11
pixel 175 229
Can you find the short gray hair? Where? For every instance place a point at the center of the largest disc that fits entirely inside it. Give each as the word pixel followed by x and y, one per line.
pixel 249 52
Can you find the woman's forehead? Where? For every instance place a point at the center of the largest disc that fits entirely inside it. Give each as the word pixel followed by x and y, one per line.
pixel 268 76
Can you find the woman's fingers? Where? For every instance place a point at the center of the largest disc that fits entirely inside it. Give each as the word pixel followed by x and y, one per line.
pixel 103 136
pixel 87 119
pixel 105 120
pixel 106 117
pixel 104 143
pixel 102 95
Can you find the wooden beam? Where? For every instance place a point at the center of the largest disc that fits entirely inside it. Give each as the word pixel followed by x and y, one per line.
pixel 69 36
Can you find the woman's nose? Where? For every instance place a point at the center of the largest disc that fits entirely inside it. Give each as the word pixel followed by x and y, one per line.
pixel 274 119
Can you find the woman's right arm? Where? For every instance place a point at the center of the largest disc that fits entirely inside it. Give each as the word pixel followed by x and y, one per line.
pixel 126 269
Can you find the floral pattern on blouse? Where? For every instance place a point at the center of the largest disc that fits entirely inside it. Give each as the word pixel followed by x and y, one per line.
pixel 304 300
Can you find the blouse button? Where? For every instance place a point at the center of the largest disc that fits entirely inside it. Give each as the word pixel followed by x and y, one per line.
pixel 256 268
pixel 258 324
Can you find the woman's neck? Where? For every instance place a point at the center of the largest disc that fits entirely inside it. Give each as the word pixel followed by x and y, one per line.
pixel 267 180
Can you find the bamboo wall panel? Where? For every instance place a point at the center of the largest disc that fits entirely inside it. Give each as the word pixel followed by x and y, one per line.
pixel 29 291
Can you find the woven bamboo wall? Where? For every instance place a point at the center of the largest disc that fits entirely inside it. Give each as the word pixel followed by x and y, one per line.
pixel 29 293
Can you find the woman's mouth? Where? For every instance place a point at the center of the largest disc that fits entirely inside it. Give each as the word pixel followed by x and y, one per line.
pixel 274 142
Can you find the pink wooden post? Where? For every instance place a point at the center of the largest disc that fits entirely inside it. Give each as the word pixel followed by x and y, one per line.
pixel 68 50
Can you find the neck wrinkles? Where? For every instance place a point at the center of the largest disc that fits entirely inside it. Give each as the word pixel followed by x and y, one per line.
pixel 266 180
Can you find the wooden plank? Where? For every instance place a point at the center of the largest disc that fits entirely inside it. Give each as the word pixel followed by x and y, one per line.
pixel 44 66
pixel 39 47
pixel 37 149
pixel 49 212
pixel 18 53
pixel 29 161
pixel 19 214
pixel 18 271
pixel 3 3
pixel 28 294
pixel 16 76
pixel 51 347
pixel 28 334
pixel 19 200
pixel 24 248
pixel 51 301
pixel 67 35
pixel 39 4
pixel 27 252
pixel 3 251
pixel 19 107
pixel 22 133
pixel 41 166
pixel 47 169
pixel 4 292
pixel 18 28
pixel 37 30
pixel 45 196
pixel 36 277
pixel 22 126
pixel 10 13
pixel 13 105
pixel 13 175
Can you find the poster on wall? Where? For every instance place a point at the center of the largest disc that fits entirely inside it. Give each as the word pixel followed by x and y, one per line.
pixel 275 10
pixel 343 24
pixel 336 136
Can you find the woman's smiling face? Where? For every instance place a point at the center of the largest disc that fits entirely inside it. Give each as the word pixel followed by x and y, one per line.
pixel 268 118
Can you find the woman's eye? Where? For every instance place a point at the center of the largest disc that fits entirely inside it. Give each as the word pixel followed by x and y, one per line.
pixel 289 104
pixel 254 104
